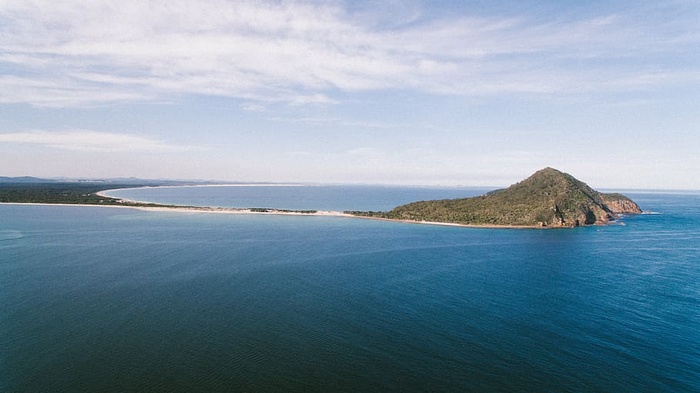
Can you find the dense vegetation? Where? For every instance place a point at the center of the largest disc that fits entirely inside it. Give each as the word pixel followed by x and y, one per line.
pixel 548 198
pixel 61 193
pixel 273 210
pixel 86 194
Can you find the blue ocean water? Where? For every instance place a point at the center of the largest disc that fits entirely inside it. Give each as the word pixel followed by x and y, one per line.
pixel 296 197
pixel 105 299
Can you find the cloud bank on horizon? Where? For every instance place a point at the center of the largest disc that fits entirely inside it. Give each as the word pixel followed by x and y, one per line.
pixel 404 92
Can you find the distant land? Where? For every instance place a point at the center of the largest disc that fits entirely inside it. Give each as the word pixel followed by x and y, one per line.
pixel 110 181
pixel 31 190
pixel 27 189
pixel 34 190
pixel 24 179
pixel 547 199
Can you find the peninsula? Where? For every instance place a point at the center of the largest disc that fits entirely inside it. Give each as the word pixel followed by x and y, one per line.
pixel 547 199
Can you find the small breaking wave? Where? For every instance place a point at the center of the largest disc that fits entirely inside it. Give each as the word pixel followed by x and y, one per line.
pixel 10 235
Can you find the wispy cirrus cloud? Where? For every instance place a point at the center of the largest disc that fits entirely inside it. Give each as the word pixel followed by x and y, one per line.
pixel 92 141
pixel 74 52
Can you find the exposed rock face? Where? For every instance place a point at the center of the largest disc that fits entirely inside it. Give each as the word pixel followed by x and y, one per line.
pixel 548 198
pixel 620 204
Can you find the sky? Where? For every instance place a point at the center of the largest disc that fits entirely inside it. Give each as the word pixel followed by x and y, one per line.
pixel 474 93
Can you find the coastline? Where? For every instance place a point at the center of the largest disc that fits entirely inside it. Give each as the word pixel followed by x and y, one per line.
pixel 102 193
pixel 101 198
pixel 276 212
pixel 282 212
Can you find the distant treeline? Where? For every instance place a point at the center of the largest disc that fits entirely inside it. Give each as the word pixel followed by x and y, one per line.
pixel 62 193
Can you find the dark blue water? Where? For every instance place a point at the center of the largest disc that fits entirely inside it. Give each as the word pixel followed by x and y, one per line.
pixel 100 299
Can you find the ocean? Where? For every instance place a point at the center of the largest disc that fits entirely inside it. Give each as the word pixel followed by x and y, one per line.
pixel 100 299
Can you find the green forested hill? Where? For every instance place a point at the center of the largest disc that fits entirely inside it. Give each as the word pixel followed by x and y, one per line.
pixel 548 198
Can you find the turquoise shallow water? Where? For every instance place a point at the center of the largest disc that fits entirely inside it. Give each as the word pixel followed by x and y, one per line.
pixel 99 299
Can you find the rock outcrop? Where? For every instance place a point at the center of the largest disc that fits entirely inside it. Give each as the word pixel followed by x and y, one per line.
pixel 620 204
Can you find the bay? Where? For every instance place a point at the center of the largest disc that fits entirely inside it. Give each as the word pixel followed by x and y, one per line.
pixel 116 299
pixel 295 197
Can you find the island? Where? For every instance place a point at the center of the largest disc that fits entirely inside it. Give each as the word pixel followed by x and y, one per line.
pixel 547 199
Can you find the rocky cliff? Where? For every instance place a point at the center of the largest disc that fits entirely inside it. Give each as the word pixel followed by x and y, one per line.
pixel 620 204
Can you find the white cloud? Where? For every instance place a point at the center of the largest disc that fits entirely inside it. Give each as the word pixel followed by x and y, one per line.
pixel 72 52
pixel 252 107
pixel 312 99
pixel 91 141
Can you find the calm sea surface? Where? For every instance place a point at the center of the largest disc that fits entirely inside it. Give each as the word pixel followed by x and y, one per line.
pixel 292 197
pixel 103 299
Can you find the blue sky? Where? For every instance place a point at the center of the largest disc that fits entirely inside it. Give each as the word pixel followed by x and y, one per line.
pixel 394 92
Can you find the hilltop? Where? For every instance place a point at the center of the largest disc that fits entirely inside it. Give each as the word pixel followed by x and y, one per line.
pixel 549 198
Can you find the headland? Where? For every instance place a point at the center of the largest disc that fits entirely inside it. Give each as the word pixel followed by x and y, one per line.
pixel 547 199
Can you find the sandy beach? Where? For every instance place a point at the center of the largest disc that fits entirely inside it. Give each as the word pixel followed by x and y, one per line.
pixel 122 203
pixel 195 209
pixel 277 212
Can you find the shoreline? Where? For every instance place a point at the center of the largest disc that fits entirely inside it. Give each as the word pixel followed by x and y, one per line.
pixel 269 212
pixel 215 185
pixel 101 193
pixel 158 207
pixel 283 212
